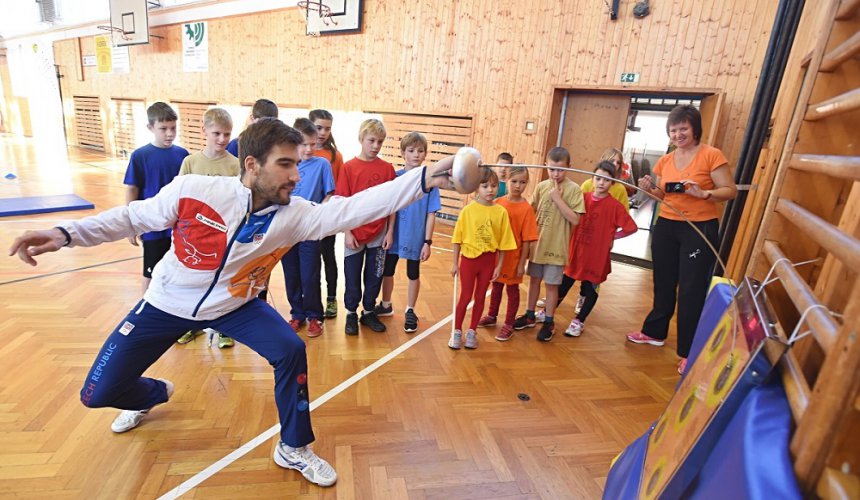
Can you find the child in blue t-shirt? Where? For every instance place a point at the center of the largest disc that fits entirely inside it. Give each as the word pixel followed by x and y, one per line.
pixel 302 265
pixel 413 235
pixel 263 108
pixel 150 168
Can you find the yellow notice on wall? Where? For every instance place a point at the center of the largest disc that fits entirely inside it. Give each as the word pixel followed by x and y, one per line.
pixel 103 54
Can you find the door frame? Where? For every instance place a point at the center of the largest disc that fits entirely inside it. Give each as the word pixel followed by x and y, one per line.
pixel 559 92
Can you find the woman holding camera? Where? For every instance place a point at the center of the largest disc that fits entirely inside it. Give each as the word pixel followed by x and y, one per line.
pixel 691 179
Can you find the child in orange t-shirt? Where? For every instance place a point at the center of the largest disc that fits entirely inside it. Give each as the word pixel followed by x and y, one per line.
pixel 524 227
pixel 326 148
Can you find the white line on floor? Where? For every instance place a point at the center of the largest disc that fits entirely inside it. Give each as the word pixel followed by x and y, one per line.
pixel 210 471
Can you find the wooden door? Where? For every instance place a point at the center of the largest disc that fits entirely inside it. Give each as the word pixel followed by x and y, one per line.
pixel 591 124
pixel 710 109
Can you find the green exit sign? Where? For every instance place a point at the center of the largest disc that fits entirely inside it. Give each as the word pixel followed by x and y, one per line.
pixel 629 77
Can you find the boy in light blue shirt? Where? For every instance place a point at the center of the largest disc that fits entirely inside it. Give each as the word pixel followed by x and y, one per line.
pixel 413 236
pixel 302 264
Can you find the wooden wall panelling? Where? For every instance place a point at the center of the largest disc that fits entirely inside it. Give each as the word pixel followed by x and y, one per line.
pixel 190 125
pixel 9 119
pixel 129 115
pixel 493 61
pixel 88 122
pixel 445 135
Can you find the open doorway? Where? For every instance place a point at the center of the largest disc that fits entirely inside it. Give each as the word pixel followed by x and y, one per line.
pixel 645 141
pixel 589 121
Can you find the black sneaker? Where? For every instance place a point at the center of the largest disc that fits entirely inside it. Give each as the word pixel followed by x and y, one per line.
pixel 351 324
pixel 546 332
pixel 370 320
pixel 411 323
pixel 523 321
pixel 380 310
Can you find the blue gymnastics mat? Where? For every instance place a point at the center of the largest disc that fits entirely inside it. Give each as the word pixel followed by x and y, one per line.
pixel 42 204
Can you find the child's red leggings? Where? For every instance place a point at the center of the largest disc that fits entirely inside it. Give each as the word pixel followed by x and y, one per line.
pixel 475 275
pixel 513 301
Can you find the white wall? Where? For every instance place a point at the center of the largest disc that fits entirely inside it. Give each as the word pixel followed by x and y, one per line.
pixel 651 141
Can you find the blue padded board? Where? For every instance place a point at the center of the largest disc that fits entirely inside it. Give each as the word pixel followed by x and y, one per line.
pixel 42 204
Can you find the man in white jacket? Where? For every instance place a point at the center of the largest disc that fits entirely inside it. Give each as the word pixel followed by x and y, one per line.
pixel 228 235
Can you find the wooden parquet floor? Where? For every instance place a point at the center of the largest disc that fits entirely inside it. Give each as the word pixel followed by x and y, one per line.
pixel 430 423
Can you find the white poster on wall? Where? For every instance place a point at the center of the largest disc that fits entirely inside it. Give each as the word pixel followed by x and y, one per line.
pixel 195 47
pixel 120 60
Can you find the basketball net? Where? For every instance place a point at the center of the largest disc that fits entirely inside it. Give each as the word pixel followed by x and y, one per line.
pixel 114 30
pixel 316 14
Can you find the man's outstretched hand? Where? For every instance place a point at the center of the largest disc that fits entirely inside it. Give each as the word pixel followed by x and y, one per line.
pixel 439 174
pixel 33 243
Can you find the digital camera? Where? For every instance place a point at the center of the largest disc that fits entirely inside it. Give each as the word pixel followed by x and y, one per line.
pixel 675 187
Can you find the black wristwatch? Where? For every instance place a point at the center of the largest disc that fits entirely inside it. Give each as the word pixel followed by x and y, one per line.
pixel 428 242
pixel 66 235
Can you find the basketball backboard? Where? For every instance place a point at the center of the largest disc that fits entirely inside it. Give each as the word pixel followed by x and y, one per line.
pixel 129 21
pixel 329 17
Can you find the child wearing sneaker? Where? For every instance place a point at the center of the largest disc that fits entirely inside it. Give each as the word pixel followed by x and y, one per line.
pixel 524 228
pixel 413 235
pixel 364 255
pixel 326 148
pixel 618 192
pixel 301 264
pixel 558 204
pixel 483 235
pixel 214 159
pixel 604 221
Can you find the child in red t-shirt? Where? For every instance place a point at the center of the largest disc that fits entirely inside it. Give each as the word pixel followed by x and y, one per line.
pixel 365 245
pixel 605 220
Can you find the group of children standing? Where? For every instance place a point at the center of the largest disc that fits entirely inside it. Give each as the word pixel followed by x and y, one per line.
pixel 562 234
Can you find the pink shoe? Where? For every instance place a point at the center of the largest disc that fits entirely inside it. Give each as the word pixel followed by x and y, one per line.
pixel 296 324
pixel 315 328
pixel 505 333
pixel 487 321
pixel 641 338
pixel 682 366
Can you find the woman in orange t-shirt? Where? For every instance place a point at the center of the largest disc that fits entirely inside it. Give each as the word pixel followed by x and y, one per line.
pixel 326 148
pixel 692 179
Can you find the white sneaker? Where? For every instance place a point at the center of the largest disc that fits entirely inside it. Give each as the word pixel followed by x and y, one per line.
pixel 471 339
pixel 540 317
pixel 575 328
pixel 304 460
pixel 541 302
pixel 456 339
pixel 579 303
pixel 129 419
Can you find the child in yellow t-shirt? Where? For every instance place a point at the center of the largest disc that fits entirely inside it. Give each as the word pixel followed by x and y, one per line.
pixel 524 227
pixel 483 235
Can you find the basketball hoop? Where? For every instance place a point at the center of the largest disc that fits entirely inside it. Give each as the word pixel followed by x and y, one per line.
pixel 114 29
pixel 316 14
